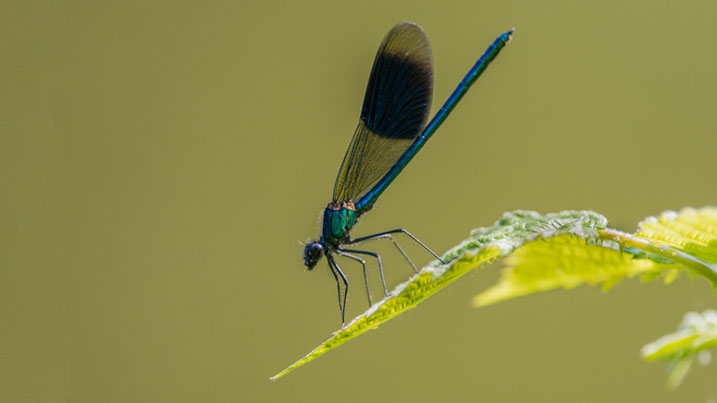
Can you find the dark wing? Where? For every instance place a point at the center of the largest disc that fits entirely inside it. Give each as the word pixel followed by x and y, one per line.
pixel 395 109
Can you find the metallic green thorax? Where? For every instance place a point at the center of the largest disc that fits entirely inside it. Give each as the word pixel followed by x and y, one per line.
pixel 339 218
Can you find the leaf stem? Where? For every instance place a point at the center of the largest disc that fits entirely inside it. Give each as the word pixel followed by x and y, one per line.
pixel 700 267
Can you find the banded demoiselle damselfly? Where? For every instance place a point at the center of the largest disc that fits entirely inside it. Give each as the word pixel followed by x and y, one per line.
pixel 391 130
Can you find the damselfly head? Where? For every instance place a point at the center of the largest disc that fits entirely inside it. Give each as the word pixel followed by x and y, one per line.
pixel 312 254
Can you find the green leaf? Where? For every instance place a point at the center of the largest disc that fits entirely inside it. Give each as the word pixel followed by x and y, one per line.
pixel 484 246
pixel 545 252
pixel 688 237
pixel 694 336
pixel 662 247
pixel 565 261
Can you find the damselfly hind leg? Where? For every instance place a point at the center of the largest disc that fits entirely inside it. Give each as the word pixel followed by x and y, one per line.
pixel 387 235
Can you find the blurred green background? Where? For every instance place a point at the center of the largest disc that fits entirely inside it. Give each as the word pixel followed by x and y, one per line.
pixel 159 163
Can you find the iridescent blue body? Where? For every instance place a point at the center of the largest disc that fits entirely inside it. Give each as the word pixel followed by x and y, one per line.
pixel 391 130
